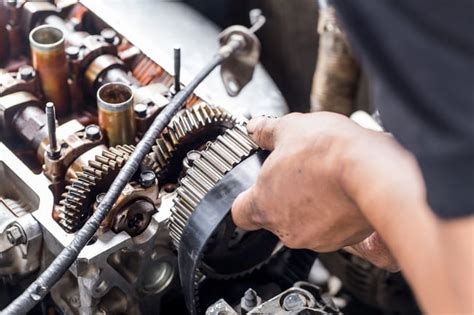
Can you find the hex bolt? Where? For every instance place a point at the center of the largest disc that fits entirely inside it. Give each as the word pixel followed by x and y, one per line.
pixel 109 35
pixel 26 72
pixel 15 235
pixel 250 298
pixel 190 158
pixel 53 151
pixel 294 302
pixel 92 132
pixel 147 178
pixel 72 52
pixel 140 110
pixel 193 156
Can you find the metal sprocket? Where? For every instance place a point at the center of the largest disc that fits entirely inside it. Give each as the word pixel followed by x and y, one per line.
pixel 189 130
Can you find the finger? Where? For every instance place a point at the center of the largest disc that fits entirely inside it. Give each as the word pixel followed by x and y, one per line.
pixel 264 131
pixel 375 250
pixel 244 211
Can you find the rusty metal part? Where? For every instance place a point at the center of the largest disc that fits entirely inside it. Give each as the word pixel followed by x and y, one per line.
pixel 116 115
pixel 93 177
pixel 49 59
pixel 11 82
pixel 98 67
pixel 72 142
pixel 82 161
pixel 188 130
pixel 10 106
pixel 337 73
pixel 147 71
pixel 134 218
pixel 30 124
pixel 95 60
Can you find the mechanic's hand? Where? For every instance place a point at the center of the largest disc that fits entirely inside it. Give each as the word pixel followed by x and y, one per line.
pixel 298 195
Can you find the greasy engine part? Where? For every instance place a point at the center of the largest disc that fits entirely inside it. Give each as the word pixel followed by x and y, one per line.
pixel 96 72
pixel 208 242
pixel 116 115
pixel 25 79
pixel 90 181
pixel 302 298
pixel 188 130
pixel 17 113
pixel 387 291
pixel 129 261
pixel 49 59
pixel 337 73
pixel 74 140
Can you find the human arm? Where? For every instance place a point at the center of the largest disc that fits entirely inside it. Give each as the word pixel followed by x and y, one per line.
pixel 329 184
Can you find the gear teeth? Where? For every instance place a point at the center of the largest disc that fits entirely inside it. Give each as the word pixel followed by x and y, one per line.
pixel 184 124
pixel 75 205
pixel 216 160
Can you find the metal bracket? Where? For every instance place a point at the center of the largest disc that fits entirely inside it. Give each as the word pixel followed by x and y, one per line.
pixel 237 70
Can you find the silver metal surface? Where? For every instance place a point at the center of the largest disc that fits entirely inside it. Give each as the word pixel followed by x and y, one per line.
pixel 20 233
pixel 156 27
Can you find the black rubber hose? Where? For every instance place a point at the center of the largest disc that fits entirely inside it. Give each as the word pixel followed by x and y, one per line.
pixel 41 286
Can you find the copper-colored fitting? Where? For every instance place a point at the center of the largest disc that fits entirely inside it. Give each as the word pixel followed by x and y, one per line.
pixel 49 59
pixel 116 116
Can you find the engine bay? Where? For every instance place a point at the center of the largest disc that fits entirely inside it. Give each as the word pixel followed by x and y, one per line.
pixel 79 90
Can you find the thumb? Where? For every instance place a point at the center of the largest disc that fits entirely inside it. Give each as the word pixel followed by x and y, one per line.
pixel 264 131
pixel 244 211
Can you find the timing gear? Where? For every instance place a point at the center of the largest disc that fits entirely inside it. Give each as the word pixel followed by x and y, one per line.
pixel 207 248
pixel 215 247
pixel 77 201
pixel 220 157
pixel 189 129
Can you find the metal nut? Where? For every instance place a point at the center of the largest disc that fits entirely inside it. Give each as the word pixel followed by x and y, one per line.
pixel 15 235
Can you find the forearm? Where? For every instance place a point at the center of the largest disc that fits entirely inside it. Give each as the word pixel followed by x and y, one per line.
pixel 393 201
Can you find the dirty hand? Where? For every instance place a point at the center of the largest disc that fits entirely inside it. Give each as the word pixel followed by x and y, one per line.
pixel 300 193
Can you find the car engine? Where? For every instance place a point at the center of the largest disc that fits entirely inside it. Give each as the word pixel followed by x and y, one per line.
pixel 81 85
